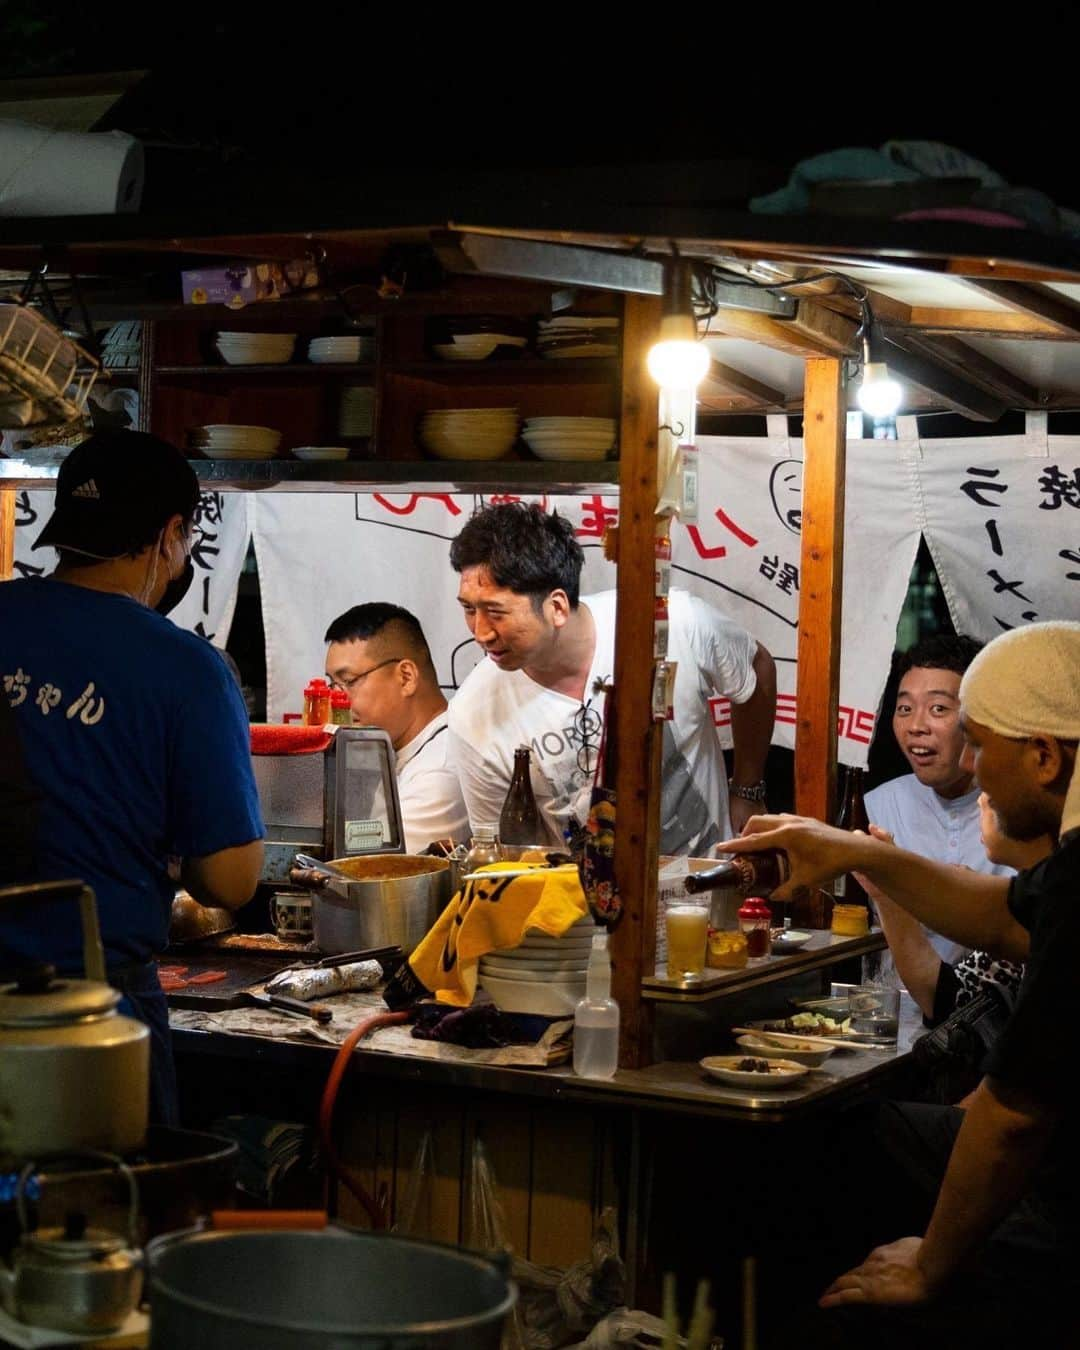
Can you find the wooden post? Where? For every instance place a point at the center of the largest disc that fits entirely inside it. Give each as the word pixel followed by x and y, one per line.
pixel 7 533
pixel 820 591
pixel 637 781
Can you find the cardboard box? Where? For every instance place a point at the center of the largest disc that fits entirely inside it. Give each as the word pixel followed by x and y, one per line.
pixel 240 283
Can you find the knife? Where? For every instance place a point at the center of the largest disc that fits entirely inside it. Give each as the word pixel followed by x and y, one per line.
pixel 245 998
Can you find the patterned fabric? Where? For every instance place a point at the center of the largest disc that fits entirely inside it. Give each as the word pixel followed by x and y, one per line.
pixel 979 969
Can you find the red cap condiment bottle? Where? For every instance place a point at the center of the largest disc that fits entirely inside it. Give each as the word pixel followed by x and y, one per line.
pixel 317 704
pixel 755 920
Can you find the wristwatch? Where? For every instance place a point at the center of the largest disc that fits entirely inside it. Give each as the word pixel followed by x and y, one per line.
pixel 752 792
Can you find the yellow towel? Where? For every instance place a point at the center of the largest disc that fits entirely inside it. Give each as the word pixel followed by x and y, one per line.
pixel 487 914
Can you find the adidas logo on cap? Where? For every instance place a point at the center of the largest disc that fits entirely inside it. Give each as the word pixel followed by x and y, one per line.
pixel 87 490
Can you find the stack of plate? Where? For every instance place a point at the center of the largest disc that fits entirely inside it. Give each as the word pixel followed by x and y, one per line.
pixel 580 438
pixel 341 350
pixel 122 345
pixel 469 433
pixel 475 346
pixel 573 336
pixel 231 441
pixel 255 349
pixel 544 975
pixel 357 410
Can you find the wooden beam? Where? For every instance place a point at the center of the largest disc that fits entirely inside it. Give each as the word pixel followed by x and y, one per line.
pixel 7 533
pixel 982 323
pixel 723 380
pixel 1035 300
pixel 821 572
pixel 971 365
pixel 909 363
pixel 637 780
pixel 814 331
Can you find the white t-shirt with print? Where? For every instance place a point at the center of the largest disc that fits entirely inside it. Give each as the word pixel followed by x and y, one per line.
pixel 432 806
pixel 495 711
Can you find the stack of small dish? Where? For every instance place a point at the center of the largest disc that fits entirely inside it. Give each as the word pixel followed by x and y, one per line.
pixel 341 350
pixel 574 336
pixel 469 433
pixel 544 975
pixel 475 337
pixel 357 408
pixel 122 345
pixel 229 441
pixel 255 349
pixel 315 453
pixel 475 346
pixel 570 438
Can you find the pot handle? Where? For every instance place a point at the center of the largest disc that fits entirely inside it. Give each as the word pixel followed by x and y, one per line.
pixel 98 1156
pixel 42 891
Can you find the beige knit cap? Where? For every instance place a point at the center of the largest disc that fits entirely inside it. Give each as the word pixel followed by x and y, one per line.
pixel 1026 683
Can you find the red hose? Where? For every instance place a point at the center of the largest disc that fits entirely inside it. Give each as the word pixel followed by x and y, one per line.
pixel 376 1210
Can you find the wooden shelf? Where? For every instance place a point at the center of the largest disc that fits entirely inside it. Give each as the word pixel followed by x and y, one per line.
pixel 281 368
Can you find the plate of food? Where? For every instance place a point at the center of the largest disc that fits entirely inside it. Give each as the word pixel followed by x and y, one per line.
pixel 752 1071
pixel 802 1025
pixel 764 1046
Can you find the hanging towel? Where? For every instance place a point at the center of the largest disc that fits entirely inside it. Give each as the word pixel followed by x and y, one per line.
pixel 489 913
pixel 268 738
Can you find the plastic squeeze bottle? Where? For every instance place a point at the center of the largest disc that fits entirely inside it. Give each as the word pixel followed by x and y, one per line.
pixel 596 1017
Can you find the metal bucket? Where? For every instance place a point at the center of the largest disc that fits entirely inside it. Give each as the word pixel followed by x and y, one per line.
pixel 393 900
pixel 338 1289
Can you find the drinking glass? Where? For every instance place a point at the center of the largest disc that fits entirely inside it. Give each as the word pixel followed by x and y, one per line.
pixel 687 921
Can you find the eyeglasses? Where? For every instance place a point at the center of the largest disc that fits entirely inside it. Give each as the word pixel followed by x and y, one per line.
pixel 588 724
pixel 350 682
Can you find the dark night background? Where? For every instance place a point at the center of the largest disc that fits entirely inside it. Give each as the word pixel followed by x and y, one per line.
pixel 258 103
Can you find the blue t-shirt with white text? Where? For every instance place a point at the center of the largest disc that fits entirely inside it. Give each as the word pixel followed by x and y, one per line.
pixel 137 738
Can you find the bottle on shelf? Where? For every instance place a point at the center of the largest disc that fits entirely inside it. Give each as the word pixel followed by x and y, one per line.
pixel 519 821
pixel 746 873
pixel 596 1017
pixel 340 709
pixel 483 848
pixel 316 704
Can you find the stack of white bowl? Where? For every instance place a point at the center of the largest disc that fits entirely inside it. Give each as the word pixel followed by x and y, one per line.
pixel 578 336
pixel 233 441
pixel 469 433
pixel 570 438
pixel 475 346
pixel 544 975
pixel 357 410
pixel 342 350
pixel 255 349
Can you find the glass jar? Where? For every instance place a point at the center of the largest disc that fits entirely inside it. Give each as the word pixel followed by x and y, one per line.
pixel 850 920
pixel 340 708
pixel 483 848
pixel 755 921
pixel 317 704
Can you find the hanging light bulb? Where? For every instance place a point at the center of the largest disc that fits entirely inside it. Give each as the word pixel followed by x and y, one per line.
pixel 879 394
pixel 677 360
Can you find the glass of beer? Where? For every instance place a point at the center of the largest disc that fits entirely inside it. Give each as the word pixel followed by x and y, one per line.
pixel 687 921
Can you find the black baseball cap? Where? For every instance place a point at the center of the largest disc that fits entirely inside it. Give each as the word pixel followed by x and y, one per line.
pixel 114 490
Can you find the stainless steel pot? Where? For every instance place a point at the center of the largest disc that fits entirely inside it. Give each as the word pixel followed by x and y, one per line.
pixel 381 900
pixel 81 1280
pixel 74 1073
pixel 338 1289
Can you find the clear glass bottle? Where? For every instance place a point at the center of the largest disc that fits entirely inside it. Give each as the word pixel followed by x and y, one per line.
pixel 596 1017
pixel 483 848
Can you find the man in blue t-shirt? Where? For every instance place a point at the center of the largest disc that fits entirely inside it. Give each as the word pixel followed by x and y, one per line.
pixel 133 730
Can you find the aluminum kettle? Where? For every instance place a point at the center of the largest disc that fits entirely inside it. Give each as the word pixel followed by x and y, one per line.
pixel 74 1073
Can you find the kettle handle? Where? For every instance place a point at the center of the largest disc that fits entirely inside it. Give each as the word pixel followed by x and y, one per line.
pixel 98 1156
pixel 69 889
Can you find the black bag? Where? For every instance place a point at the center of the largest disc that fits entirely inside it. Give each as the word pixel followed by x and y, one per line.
pixel 951 1056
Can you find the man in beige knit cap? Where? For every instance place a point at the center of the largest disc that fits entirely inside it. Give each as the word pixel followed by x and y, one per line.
pixel 999 1252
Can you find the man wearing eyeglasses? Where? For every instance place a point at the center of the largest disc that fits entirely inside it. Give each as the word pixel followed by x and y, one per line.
pixel 134 732
pixel 546 647
pixel 378 654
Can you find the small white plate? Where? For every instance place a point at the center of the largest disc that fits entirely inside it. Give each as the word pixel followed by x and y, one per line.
pixel 781 1071
pixel 791 941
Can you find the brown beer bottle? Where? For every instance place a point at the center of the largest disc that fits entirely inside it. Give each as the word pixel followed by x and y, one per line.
pixel 519 821
pixel 747 873
pixel 852 816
